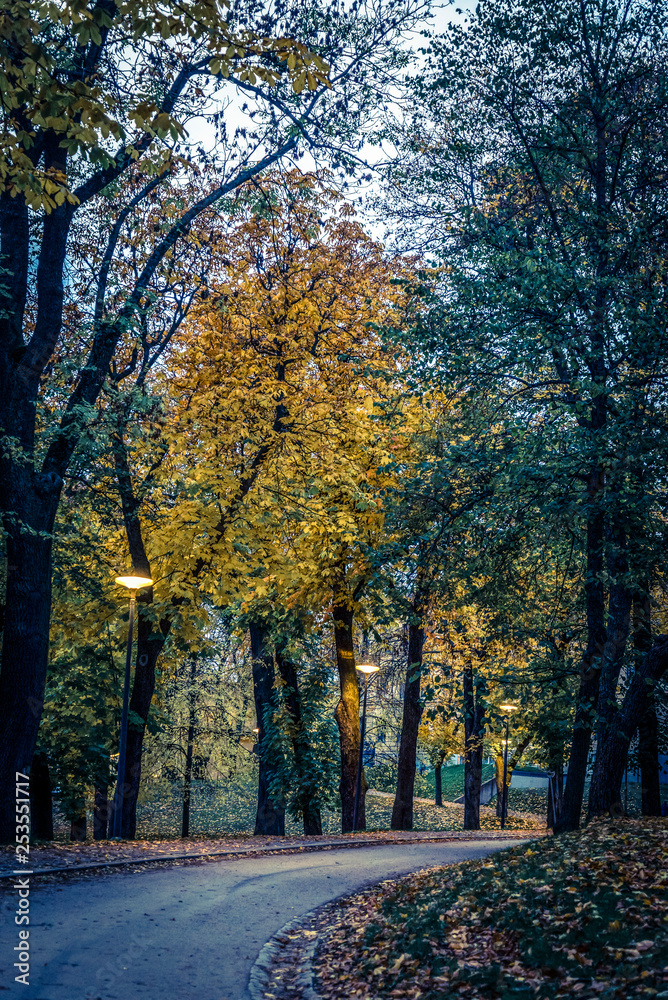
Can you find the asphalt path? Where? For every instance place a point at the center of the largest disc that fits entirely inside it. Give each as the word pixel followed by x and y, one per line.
pixel 187 933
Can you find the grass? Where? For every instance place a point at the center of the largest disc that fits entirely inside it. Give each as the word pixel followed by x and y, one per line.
pixel 384 778
pixel 230 809
pixel 583 915
pixel 534 800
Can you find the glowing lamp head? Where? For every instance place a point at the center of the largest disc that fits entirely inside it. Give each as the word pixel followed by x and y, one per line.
pixel 508 708
pixel 134 582
pixel 367 668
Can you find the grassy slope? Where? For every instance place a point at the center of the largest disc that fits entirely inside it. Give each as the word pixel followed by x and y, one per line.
pixel 583 915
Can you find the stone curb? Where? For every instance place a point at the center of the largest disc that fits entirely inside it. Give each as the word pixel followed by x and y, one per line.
pixel 259 850
pixel 259 982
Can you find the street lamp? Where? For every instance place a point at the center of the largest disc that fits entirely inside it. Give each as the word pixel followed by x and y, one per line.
pixel 133 583
pixel 367 669
pixel 504 801
pixel 249 743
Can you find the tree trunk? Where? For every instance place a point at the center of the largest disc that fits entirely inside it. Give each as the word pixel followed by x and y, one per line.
pixel 310 811
pixel 78 824
pixel 149 646
pixel 590 672
pixel 190 738
pixel 100 812
pixel 474 723
pixel 513 761
pixel 150 642
pixel 619 623
pixel 611 755
pixel 402 811
pixel 348 718
pixel 648 728
pixel 41 802
pixel 438 785
pixel 648 756
pixel 270 815
pixel 555 793
pixel 31 501
pixel 28 498
pixel 498 774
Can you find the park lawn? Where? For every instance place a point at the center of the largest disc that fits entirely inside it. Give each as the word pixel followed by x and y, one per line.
pixel 230 810
pixel 233 811
pixel 582 915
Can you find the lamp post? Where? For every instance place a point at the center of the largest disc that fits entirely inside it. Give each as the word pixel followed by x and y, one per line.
pixel 133 583
pixel 367 669
pixel 504 801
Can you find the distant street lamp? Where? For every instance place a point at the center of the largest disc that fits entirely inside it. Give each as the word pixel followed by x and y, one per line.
pixel 249 743
pixel 504 800
pixel 367 669
pixel 133 583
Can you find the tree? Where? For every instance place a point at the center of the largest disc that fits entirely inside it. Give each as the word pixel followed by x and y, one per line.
pixel 65 152
pixel 551 219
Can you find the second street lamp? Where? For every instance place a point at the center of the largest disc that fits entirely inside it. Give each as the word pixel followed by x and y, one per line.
pixel 367 669
pixel 133 583
pixel 504 799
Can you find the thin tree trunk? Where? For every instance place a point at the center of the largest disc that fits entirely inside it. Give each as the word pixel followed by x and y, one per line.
pixel 590 673
pixel 190 738
pixel 648 728
pixel 498 774
pixel 150 642
pixel 100 812
pixel 78 824
pixel 41 802
pixel 513 761
pixel 474 721
pixel 648 754
pixel 438 785
pixel 311 815
pixel 270 815
pixel 402 811
pixel 348 718
pixel 603 795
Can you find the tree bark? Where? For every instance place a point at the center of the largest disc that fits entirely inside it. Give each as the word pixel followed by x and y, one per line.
pixel 150 642
pixel 590 671
pixel 402 811
pixel 513 761
pixel 498 775
pixel 648 728
pixel 648 756
pixel 41 802
pixel 474 728
pixel 190 738
pixel 78 824
pixel 612 754
pixel 348 718
pixel 270 815
pixel 100 812
pixel 31 501
pixel 311 815
pixel 619 624
pixel 555 793
pixel 438 785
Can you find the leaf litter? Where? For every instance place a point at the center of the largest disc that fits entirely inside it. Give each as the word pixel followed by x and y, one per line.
pixel 581 915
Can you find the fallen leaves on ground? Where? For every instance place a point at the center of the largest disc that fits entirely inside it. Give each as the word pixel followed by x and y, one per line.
pixel 582 915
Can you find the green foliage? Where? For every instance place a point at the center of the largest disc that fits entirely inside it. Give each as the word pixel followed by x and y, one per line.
pixel 80 723
pixel 303 757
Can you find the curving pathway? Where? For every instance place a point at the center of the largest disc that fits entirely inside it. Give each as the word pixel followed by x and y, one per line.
pixel 189 933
